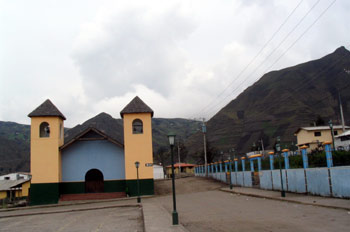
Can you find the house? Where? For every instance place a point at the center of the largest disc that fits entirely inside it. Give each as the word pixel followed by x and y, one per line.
pixel 313 137
pixel 14 188
pixel 94 162
pixel 180 168
pixel 342 141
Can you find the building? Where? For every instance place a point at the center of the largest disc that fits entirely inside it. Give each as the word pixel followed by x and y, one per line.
pixel 313 137
pixel 180 168
pixel 14 188
pixel 158 172
pixel 92 161
pixel 16 176
pixel 342 141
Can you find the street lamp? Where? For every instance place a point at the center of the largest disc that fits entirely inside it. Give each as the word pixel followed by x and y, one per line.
pixel 171 137
pixel 278 150
pixel 331 126
pixel 137 165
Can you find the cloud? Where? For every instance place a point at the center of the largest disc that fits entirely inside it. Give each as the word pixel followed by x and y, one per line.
pixel 130 46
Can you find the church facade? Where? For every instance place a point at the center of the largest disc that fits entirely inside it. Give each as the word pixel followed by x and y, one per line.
pixel 93 160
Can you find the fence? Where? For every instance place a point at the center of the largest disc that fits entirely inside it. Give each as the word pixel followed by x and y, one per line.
pixel 323 181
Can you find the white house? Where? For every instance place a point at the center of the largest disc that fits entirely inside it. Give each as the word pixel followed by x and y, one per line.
pixel 342 141
pixel 158 172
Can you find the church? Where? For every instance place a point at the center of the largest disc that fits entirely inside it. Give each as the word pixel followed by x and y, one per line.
pixel 92 161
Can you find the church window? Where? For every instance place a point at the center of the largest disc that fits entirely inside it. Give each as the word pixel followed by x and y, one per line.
pixel 137 127
pixel 44 130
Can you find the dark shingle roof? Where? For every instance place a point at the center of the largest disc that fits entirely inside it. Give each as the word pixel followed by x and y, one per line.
pixel 46 109
pixel 136 106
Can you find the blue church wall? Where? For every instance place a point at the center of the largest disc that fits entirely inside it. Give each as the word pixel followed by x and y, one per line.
pixel 82 156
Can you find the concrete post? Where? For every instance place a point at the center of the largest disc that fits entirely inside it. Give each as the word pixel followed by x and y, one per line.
pixel 304 155
pixel 243 164
pixel 329 157
pixel 286 158
pixel 259 164
pixel 271 160
pixel 251 165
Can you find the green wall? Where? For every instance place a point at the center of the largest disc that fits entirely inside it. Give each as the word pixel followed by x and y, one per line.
pixel 41 194
pixel 146 187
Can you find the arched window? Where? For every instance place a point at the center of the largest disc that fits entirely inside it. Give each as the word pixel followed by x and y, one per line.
pixel 44 130
pixel 137 126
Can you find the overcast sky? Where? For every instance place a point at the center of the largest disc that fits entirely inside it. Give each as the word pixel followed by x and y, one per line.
pixel 178 56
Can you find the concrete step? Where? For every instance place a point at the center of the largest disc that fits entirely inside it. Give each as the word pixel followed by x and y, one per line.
pixel 91 196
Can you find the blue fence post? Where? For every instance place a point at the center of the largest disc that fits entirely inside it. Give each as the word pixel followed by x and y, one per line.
pixel 220 165
pixel 226 166
pixel 259 163
pixel 271 160
pixel 286 158
pixel 236 165
pixel 328 150
pixel 243 164
pixel 216 167
pixel 304 155
pixel 251 165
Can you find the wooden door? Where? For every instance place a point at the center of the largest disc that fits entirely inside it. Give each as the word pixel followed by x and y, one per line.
pixel 94 181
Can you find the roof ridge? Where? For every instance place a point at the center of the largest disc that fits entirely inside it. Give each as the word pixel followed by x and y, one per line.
pixel 47 108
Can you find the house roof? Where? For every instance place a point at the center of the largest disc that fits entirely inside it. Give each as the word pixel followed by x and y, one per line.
pixel 8 184
pixel 346 133
pixel 46 109
pixel 136 106
pixel 92 133
pixel 318 128
pixel 104 123
pixel 182 165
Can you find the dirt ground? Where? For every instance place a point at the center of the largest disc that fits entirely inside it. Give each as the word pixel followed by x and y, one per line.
pixel 202 207
pixel 186 185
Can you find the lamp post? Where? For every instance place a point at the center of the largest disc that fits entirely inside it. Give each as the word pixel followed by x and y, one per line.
pixel 171 138
pixel 278 150
pixel 331 126
pixel 137 165
pixel 231 161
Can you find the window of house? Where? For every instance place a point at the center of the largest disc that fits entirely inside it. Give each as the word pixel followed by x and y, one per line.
pixel 335 132
pixel 317 133
pixel 7 178
pixel 44 130
pixel 137 127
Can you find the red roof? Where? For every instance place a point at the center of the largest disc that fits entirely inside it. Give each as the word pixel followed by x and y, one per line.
pixel 182 165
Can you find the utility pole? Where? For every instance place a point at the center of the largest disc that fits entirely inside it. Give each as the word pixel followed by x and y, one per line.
pixel 204 130
pixel 178 154
pixel 341 113
pixel 262 147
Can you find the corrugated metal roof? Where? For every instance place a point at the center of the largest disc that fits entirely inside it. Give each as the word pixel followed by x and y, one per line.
pixel 346 133
pixel 8 184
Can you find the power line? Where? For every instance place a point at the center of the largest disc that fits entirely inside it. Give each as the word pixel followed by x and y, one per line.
pixel 308 28
pixel 252 61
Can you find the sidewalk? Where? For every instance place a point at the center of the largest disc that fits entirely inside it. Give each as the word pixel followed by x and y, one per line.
pixel 328 202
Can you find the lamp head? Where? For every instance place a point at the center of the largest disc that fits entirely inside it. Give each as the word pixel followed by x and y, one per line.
pixel 137 164
pixel 171 137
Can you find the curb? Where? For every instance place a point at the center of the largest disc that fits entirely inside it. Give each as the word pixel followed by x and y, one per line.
pixel 70 210
pixel 287 200
pixel 72 203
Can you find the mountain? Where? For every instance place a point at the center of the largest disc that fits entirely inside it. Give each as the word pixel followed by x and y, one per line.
pixel 15 138
pixel 279 103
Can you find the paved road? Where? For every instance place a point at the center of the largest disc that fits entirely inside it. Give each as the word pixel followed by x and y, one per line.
pixel 219 211
pixel 124 219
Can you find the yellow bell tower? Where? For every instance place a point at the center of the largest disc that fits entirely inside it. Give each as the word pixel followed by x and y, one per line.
pixel 137 118
pixel 46 136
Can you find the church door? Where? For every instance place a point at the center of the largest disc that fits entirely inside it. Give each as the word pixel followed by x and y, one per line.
pixel 94 181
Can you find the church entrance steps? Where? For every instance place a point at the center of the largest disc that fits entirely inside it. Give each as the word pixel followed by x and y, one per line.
pixel 91 196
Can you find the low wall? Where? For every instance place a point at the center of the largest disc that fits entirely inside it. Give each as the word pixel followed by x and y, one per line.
pixel 317 181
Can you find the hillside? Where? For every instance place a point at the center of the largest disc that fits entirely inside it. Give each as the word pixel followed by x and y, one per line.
pixel 279 103
pixel 15 138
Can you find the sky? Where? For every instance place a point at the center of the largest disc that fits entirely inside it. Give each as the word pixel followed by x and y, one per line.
pixel 184 59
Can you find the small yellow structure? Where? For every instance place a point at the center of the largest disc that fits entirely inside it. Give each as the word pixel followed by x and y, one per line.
pixel 14 188
pixel 180 168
